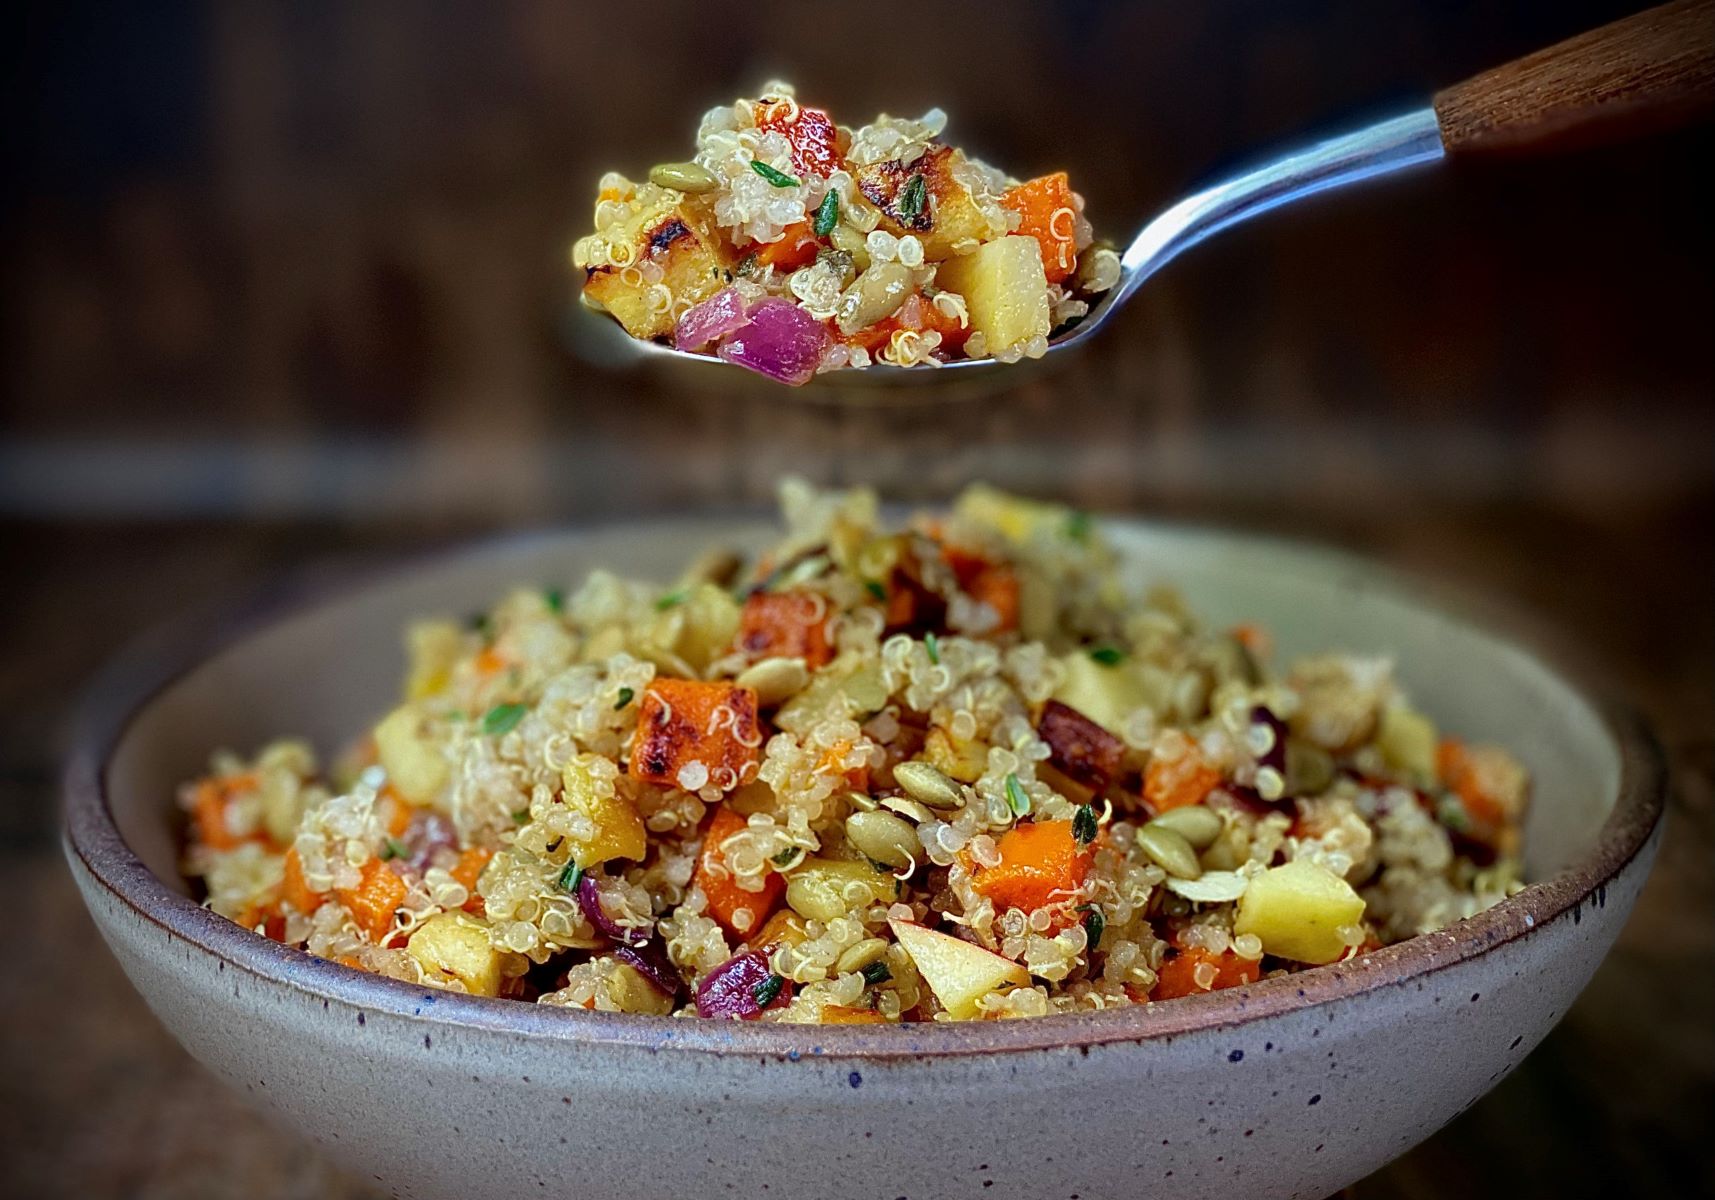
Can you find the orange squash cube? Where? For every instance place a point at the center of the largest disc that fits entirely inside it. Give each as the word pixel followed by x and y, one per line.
pixel 691 734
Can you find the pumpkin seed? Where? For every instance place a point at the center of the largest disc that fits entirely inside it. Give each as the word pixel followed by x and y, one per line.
pixel 775 679
pixel 875 296
pixel 862 954
pixel 1309 769
pixel 1170 851
pixel 909 809
pixel 862 802
pixel 884 838
pixel 685 176
pixel 850 241
pixel 928 784
pixel 1214 887
pixel 1198 825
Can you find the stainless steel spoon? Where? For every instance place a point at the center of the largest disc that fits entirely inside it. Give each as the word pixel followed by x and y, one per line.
pixel 1658 65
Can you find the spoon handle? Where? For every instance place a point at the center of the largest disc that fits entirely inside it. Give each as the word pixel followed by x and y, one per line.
pixel 1655 68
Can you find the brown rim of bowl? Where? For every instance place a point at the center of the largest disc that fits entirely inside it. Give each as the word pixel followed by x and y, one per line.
pixel 155 662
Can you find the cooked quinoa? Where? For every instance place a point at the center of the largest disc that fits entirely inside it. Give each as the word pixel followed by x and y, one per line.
pixel 940 772
pixel 791 245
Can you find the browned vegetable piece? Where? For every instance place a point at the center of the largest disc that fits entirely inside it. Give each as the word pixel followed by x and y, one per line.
pixel 924 198
pixel 676 235
pixel 1080 747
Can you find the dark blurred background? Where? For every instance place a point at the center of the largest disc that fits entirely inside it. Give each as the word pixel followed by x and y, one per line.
pixel 287 284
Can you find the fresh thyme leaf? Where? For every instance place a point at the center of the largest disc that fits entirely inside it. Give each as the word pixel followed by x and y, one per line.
pixel 766 991
pixel 914 197
pixel 392 849
pixel 502 718
pixel 778 178
pixel 932 644
pixel 876 589
pixel 571 877
pixel 672 599
pixel 1084 826
pixel 1078 526
pixel 1094 925
pixel 625 695
pixel 1108 656
pixel 555 599
pixel 1017 799
pixel 875 973
pixel 827 214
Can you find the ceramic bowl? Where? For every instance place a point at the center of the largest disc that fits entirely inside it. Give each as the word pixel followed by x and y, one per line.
pixel 1292 1086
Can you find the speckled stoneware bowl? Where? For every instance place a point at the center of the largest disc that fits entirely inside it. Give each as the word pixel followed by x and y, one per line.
pixel 1290 1087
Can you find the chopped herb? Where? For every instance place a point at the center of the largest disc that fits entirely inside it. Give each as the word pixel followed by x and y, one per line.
pixel 875 973
pixel 392 849
pixel 501 719
pixel 1084 826
pixel 914 197
pixel 777 178
pixel 1451 813
pixel 1108 656
pixel 672 599
pixel 520 815
pixel 480 623
pixel 625 695
pixel 1078 526
pixel 787 856
pixel 880 868
pixel 876 589
pixel 555 599
pixel 827 214
pixel 457 714
pixel 766 991
pixel 932 644
pixel 571 877
pixel 1094 925
pixel 1017 799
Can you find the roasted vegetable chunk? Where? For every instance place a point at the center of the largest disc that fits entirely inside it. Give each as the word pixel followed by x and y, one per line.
pixel 668 232
pixel 925 198
pixel 692 734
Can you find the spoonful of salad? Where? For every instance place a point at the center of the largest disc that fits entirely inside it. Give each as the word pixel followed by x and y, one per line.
pixel 802 249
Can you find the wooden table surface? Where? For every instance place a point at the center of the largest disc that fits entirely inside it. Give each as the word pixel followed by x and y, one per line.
pixel 285 285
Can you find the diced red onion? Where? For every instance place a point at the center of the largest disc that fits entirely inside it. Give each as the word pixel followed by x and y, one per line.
pixel 1276 756
pixel 589 900
pixel 427 834
pixel 719 315
pixel 650 961
pixel 730 989
pixel 782 341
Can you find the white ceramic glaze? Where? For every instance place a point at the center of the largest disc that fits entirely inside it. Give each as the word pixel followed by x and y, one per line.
pixel 1290 1087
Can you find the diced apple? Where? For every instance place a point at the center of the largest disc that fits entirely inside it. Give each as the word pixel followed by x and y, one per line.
pixel 1005 291
pixel 455 946
pixel 1298 910
pixel 958 972
pixel 632 993
pixel 432 647
pixel 825 888
pixel 1407 740
pixel 589 784
pixel 414 764
pixel 1105 694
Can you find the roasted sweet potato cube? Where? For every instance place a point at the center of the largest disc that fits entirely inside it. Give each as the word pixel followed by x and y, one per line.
pixel 1080 747
pixel 940 211
pixel 691 734
pixel 674 234
pixel 786 625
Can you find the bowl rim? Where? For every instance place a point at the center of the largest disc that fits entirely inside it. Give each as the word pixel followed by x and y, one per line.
pixel 154 662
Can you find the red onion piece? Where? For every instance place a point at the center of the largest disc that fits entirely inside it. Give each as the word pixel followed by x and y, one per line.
pixel 1276 756
pixel 589 900
pixel 650 961
pixel 719 315
pixel 782 341
pixel 427 833
pixel 730 990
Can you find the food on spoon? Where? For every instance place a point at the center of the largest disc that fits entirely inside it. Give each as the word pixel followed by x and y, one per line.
pixel 843 787
pixel 790 245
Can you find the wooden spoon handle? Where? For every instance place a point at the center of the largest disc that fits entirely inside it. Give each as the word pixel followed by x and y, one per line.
pixel 1653 69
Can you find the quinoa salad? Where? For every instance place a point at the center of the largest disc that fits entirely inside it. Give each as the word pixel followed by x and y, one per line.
pixel 946 771
pixel 790 245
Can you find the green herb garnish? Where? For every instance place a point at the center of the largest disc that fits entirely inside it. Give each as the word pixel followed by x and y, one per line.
pixel 520 815
pixel 875 973
pixel 1078 526
pixel 625 695
pixel 672 599
pixel 827 214
pixel 766 991
pixel 479 623
pixel 571 877
pixel 914 197
pixel 1451 813
pixel 1017 799
pixel 555 599
pixel 502 718
pixel 876 589
pixel 391 849
pixel 786 857
pixel 777 178
pixel 1084 826
pixel 932 644
pixel 1094 925
pixel 1108 656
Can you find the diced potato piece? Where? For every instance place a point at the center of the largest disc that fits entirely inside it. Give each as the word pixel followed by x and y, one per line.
pixel 455 946
pixel 958 972
pixel 1407 740
pixel 1104 694
pixel 673 232
pixel 589 781
pixel 825 888
pixel 415 766
pixel 710 617
pixel 1298 910
pixel 627 988
pixel 1005 291
pixel 784 928
pixel 432 648
pixel 949 221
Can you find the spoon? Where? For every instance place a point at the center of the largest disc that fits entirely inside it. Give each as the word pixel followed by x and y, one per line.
pixel 1654 68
